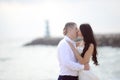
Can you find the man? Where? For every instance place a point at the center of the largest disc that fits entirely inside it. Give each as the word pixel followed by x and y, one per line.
pixel 69 67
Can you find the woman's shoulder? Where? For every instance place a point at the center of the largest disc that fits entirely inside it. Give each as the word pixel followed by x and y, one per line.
pixel 91 45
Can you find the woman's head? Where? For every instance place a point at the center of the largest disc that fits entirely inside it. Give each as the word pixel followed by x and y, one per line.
pixel 87 33
pixel 88 37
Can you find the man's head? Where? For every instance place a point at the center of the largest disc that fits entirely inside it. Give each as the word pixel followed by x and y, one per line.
pixel 70 30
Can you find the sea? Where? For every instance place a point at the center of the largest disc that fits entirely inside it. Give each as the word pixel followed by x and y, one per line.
pixel 39 62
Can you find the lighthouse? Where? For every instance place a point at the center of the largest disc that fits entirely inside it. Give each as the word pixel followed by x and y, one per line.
pixel 47 32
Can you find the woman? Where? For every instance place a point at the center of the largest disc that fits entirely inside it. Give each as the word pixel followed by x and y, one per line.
pixel 87 49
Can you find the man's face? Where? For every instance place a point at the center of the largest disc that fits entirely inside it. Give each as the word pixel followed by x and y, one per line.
pixel 74 32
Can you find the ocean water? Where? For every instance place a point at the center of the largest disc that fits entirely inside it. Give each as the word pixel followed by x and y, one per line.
pixel 40 62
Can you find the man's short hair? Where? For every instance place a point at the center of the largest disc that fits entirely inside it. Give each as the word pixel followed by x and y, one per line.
pixel 68 25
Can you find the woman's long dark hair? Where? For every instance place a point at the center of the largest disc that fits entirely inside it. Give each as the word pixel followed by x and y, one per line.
pixel 88 36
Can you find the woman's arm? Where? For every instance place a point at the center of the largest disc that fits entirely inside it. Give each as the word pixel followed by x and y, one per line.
pixel 88 54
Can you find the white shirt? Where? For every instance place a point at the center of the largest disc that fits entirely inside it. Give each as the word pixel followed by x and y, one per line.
pixel 67 61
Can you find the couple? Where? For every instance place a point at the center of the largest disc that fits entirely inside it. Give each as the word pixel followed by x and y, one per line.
pixel 74 56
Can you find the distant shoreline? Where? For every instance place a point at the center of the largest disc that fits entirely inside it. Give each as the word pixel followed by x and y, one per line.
pixel 101 39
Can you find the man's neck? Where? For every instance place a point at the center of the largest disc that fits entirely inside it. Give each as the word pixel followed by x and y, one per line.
pixel 70 37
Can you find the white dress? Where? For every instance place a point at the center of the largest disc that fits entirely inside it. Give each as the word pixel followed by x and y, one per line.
pixel 86 74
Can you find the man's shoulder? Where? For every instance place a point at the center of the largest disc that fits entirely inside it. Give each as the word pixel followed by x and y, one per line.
pixel 62 43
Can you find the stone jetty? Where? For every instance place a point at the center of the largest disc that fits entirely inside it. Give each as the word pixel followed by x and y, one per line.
pixel 101 39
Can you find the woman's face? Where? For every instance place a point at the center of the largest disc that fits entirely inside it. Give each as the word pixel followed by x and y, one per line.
pixel 80 34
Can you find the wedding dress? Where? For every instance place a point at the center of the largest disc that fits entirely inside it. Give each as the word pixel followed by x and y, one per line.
pixel 86 74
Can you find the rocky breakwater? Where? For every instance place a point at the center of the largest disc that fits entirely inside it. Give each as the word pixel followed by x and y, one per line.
pixel 44 41
pixel 108 40
pixel 101 39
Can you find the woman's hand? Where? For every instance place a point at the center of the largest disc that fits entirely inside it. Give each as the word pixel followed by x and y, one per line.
pixel 71 45
pixel 77 43
pixel 86 66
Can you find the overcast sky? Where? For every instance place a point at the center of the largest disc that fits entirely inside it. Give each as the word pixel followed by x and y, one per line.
pixel 26 18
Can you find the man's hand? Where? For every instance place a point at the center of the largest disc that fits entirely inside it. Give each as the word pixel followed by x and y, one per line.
pixel 86 66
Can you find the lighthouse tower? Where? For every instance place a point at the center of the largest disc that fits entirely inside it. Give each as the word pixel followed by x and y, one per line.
pixel 47 32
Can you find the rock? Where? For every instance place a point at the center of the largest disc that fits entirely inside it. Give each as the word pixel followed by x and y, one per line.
pixel 44 41
pixel 101 39
pixel 108 40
